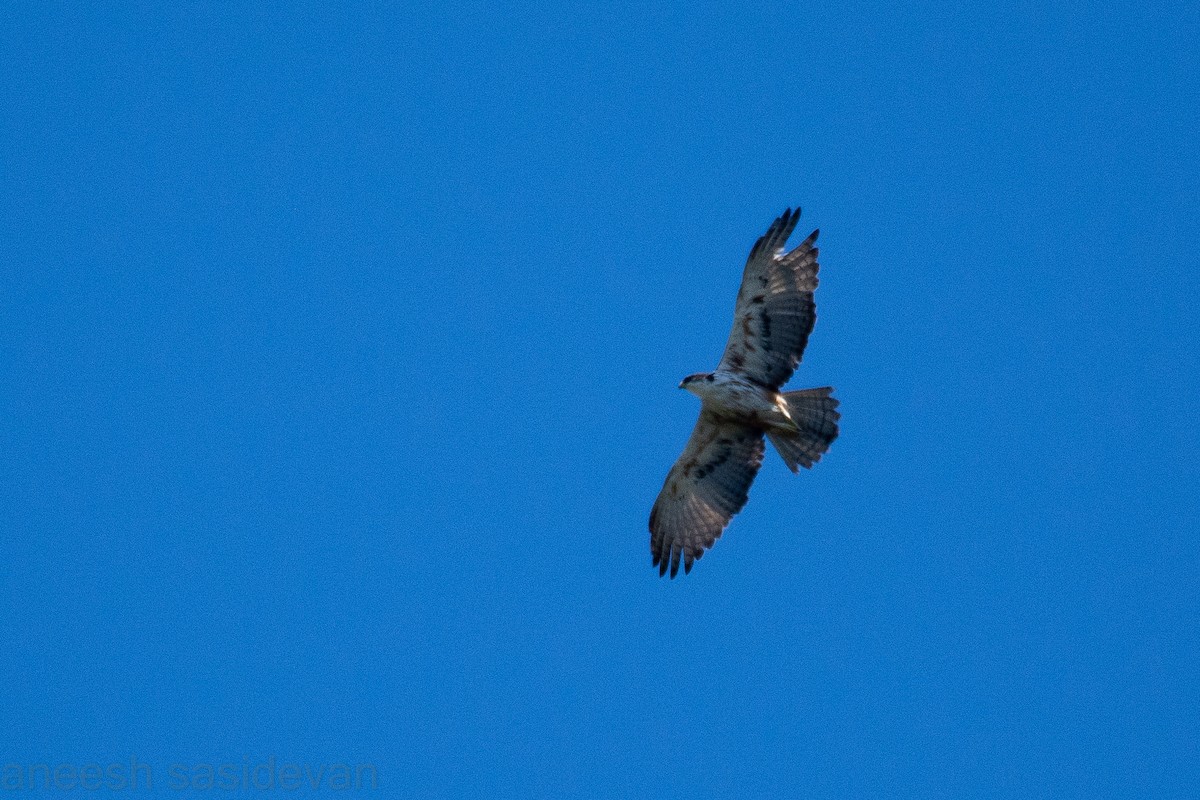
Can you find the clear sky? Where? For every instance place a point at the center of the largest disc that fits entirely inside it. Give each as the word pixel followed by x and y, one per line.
pixel 339 363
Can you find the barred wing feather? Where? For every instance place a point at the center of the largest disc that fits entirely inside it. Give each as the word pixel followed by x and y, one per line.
pixel 775 310
pixel 708 485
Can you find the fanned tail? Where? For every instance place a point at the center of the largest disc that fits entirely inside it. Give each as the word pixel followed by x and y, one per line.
pixel 815 413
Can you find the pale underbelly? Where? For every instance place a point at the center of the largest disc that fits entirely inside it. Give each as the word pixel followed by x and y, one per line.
pixel 749 404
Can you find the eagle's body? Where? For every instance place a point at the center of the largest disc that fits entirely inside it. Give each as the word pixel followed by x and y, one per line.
pixel 734 398
pixel 741 403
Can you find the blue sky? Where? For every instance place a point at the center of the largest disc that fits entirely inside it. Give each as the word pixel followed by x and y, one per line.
pixel 340 355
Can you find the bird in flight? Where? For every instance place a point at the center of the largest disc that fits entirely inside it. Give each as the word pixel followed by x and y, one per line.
pixel 741 402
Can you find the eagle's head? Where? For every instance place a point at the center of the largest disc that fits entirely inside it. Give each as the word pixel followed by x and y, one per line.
pixel 694 383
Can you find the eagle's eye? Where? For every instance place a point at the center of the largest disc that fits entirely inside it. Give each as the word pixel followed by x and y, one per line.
pixel 709 378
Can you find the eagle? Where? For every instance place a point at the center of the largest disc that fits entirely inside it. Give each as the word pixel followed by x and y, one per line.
pixel 742 402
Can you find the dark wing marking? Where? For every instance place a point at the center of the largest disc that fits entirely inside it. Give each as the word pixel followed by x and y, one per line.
pixel 707 486
pixel 775 311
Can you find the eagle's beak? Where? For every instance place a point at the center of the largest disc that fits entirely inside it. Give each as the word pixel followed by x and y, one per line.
pixel 681 384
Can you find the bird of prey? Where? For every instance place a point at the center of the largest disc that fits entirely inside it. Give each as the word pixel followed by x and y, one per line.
pixel 741 402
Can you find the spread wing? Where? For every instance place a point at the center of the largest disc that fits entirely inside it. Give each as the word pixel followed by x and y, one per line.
pixel 707 486
pixel 775 311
